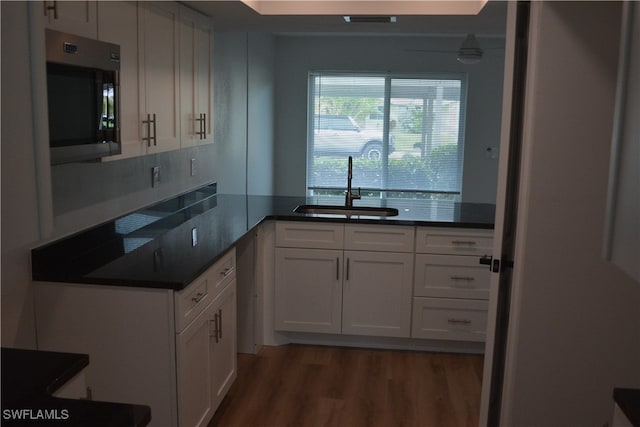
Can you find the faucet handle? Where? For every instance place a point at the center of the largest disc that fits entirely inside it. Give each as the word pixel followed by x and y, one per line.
pixel 358 196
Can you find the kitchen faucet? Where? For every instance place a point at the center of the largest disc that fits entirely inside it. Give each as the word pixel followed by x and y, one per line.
pixel 349 196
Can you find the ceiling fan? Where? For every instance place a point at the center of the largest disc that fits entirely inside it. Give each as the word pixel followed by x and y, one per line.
pixel 469 52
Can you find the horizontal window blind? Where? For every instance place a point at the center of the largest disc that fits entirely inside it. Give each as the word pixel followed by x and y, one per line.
pixel 404 134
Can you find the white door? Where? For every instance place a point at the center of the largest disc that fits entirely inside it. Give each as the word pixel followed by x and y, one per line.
pixel 503 237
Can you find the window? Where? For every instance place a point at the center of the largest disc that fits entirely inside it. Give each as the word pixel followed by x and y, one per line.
pixel 405 135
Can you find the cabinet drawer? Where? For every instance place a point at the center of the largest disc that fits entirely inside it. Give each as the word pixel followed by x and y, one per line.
pixel 223 271
pixel 449 319
pixel 297 234
pixel 193 299
pixel 379 238
pixel 454 241
pixel 451 276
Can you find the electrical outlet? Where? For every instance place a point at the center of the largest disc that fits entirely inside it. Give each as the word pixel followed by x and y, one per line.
pixel 155 176
pixel 193 167
pixel 194 237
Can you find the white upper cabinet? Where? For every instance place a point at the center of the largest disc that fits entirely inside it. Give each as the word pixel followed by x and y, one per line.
pixel 166 68
pixel 196 84
pixel 75 17
pixel 158 56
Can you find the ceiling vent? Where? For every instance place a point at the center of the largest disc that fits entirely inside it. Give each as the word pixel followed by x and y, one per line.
pixel 370 19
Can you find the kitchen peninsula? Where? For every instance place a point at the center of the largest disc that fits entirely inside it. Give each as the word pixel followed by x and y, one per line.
pixel 153 294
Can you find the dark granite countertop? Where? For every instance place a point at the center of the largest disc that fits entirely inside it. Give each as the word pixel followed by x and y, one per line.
pixel 30 377
pixel 628 399
pixel 153 246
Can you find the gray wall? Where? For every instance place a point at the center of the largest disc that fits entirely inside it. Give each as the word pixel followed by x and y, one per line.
pixel 575 326
pixel 244 112
pixel 85 194
pixel 297 55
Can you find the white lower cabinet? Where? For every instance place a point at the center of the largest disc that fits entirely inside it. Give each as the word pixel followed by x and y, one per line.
pixel 382 280
pixel 174 351
pixel 206 359
pixel 451 288
pixel 193 351
pixel 329 281
pixel 450 319
pixel 376 297
pixel 224 343
pixel 308 290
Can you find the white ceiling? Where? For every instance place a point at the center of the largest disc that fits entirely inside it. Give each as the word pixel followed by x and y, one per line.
pixel 236 16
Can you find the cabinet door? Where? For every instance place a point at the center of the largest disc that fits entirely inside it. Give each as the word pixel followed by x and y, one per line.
pixel 118 23
pixel 196 85
pixel 224 343
pixel 194 361
pixel 75 17
pixel 308 290
pixel 158 29
pixel 377 293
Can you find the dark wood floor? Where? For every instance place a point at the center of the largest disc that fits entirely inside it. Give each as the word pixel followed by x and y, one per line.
pixel 314 386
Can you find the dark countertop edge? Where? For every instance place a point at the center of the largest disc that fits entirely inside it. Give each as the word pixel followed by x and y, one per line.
pixel 379 221
pixel 71 370
pixel 177 286
pixel 628 399
pixel 63 368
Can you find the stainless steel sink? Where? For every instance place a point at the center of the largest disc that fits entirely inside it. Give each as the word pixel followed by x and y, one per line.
pixel 343 210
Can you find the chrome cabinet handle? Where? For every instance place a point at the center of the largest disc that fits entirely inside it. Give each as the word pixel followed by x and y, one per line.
pixel 220 325
pixel 464 242
pixel 227 271
pixel 214 334
pixel 151 121
pixel 465 278
pixel 454 321
pixel 202 121
pixel 53 6
pixel 198 297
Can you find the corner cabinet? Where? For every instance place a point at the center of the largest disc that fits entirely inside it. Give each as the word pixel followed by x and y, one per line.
pixel 343 279
pixel 174 351
pixel 196 85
